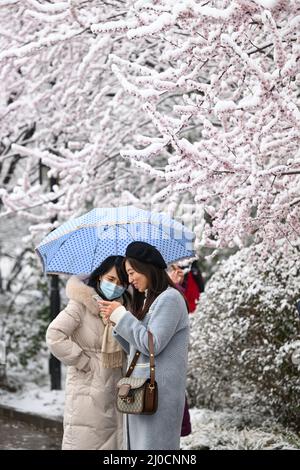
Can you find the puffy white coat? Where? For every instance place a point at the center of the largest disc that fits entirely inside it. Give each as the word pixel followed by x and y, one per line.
pixel 91 420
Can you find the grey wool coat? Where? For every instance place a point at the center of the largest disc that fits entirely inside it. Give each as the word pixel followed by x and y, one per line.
pixel 91 420
pixel 168 321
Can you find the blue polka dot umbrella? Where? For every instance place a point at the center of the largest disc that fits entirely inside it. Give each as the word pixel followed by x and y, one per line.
pixel 81 244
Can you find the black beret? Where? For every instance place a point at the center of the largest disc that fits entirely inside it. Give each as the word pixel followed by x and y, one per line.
pixel 145 253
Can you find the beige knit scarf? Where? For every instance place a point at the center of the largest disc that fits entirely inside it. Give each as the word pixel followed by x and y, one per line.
pixel 111 352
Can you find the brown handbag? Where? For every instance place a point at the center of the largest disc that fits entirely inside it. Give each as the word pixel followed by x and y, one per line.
pixel 138 395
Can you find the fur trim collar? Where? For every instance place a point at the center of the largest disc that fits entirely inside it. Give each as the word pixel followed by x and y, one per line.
pixel 77 290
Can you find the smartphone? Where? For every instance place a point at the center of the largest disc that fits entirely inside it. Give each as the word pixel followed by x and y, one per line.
pixel 96 297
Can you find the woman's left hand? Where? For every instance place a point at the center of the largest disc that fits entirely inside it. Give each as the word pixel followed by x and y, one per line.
pixel 107 308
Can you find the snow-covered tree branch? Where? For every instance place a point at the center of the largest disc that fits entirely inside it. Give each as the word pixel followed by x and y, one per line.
pixel 63 110
pixel 202 96
pixel 226 102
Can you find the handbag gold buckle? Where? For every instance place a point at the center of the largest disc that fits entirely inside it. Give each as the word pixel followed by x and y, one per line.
pixel 130 397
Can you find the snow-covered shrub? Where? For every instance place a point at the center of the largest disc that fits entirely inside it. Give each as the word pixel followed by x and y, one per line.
pixel 24 302
pixel 245 336
pixel 231 430
pixel 24 314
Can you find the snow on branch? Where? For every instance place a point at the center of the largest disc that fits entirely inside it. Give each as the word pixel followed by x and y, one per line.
pixel 231 70
pixel 202 97
pixel 56 7
pixel 35 46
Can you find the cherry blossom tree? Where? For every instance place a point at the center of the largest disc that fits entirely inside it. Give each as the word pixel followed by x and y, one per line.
pixel 225 105
pixel 201 97
pixel 64 113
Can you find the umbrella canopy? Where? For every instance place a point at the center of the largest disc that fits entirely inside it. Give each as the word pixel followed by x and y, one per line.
pixel 80 245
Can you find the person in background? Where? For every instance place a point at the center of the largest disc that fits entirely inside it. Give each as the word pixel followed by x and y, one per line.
pixel 190 282
pixel 191 285
pixel 176 274
pixel 82 339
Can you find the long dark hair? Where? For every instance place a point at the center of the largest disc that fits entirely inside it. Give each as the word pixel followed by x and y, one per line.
pixel 158 282
pixel 106 265
pixel 197 275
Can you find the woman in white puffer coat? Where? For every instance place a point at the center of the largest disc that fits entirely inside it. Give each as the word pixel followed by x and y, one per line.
pixel 80 338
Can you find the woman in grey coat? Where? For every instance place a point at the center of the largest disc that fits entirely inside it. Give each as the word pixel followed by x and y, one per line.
pixel 159 307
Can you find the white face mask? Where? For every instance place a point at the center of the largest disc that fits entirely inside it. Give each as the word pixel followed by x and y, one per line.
pixel 111 290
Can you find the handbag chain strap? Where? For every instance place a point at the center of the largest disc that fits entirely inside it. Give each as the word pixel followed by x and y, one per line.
pixel 152 364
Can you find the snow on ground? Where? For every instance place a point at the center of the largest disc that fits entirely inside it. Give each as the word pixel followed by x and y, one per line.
pixel 229 430
pixel 33 393
pixel 210 429
pixel 34 400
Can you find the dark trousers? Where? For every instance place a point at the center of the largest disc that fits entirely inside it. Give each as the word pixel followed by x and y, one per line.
pixel 186 427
